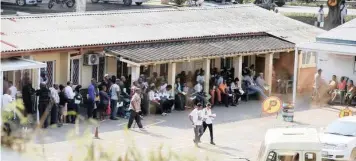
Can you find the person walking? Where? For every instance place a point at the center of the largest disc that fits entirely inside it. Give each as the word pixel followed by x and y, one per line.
pixel 196 117
pixel 44 103
pixel 320 18
pixel 343 11
pixel 208 122
pixel 135 108
pixel 63 103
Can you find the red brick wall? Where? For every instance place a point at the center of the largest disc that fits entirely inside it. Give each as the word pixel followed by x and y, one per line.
pixel 305 79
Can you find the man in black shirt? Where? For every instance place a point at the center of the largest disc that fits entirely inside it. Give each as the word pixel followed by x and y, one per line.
pixel 44 103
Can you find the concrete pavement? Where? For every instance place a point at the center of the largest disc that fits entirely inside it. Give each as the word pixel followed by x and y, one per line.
pixel 238 133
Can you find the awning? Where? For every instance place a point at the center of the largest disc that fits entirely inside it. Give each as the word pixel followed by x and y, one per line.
pixel 201 48
pixel 20 64
pixel 328 47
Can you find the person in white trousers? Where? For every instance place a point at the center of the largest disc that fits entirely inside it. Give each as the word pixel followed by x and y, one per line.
pixel 208 122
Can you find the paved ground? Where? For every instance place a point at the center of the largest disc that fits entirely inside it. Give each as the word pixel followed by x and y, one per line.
pixel 238 133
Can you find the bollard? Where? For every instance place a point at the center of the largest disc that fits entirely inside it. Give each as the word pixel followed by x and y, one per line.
pixel 288 112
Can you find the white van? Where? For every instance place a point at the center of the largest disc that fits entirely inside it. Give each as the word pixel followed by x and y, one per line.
pixel 21 2
pixel 291 144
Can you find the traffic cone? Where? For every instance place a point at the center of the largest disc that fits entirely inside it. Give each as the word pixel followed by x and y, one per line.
pixel 96 133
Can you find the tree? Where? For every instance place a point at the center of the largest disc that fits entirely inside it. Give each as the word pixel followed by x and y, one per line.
pixel 334 16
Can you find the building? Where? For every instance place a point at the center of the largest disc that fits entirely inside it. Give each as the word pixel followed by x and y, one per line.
pixel 335 51
pixel 165 41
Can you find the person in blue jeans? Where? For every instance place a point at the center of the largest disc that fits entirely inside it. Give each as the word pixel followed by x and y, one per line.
pixel 91 99
pixel 114 92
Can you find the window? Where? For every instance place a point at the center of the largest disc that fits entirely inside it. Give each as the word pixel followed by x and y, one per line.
pixel 309 59
pixel 212 63
pixel 122 69
pixel 49 71
pixel 226 63
pixel 309 156
pixel 74 71
pixel 283 156
pixel 163 69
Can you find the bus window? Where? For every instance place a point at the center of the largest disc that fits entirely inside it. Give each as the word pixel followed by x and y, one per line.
pixel 309 156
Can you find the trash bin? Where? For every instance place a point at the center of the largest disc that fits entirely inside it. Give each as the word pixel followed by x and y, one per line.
pixel 288 112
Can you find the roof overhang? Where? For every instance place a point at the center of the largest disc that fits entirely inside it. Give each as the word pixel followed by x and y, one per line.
pixel 342 49
pixel 20 64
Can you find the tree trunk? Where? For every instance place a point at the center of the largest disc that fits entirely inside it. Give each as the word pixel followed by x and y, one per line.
pixel 334 16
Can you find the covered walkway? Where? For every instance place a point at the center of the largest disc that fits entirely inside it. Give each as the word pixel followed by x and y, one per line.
pixel 203 48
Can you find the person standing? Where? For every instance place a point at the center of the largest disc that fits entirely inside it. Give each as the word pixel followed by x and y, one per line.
pixel 68 91
pixel 320 18
pixel 44 103
pixel 104 102
pixel 91 98
pixel 135 108
pixel 114 98
pixel 343 11
pixel 208 122
pixel 13 90
pixel 196 117
pixel 317 85
pixel 55 107
pixel 27 96
pixel 63 103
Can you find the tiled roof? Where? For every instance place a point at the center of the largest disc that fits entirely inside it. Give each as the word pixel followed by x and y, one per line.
pixel 73 30
pixel 201 48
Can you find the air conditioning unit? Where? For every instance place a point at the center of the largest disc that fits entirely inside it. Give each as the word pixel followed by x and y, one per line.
pixel 91 59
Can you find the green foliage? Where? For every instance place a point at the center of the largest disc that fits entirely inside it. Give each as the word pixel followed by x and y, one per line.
pixel 179 2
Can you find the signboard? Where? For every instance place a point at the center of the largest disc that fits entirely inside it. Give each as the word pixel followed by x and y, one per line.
pixel 345 112
pixel 271 105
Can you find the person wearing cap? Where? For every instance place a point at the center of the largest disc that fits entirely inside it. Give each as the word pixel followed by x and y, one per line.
pixel 196 117
pixel 208 118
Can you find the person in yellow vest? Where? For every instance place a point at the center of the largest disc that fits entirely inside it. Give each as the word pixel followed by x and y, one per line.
pixel 345 112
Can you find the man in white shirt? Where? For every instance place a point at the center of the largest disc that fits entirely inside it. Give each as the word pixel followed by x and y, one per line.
pixel 13 90
pixel 6 101
pixel 167 99
pixel 198 88
pixel 317 84
pixel 196 117
pixel 208 122
pixel 135 108
pixel 68 91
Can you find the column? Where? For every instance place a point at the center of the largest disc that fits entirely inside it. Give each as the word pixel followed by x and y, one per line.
pixel 295 75
pixel 237 64
pixel 206 68
pixel 135 73
pixel 172 74
pixel 268 71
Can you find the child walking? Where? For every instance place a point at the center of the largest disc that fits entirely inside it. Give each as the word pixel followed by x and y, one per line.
pixel 208 122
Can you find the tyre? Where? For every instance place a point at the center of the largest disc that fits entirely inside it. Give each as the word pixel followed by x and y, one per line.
pixel 51 4
pixel 280 4
pixel 70 3
pixel 138 3
pixel 94 1
pixel 21 2
pixel 127 2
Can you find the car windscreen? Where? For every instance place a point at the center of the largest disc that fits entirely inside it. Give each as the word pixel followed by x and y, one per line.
pixel 342 128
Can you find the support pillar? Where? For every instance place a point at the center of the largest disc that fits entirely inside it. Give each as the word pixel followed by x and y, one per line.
pixel 172 74
pixel 268 71
pixel 237 64
pixel 206 68
pixel 135 73
pixel 295 75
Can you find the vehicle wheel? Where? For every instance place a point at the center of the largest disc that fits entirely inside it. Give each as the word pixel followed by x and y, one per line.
pixel 138 3
pixel 51 4
pixel 94 1
pixel 353 155
pixel 70 3
pixel 280 4
pixel 21 2
pixel 127 2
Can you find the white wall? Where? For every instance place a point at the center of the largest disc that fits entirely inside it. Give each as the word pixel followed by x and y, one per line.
pixel 339 65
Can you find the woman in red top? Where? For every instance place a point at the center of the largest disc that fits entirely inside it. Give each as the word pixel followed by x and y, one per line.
pixel 340 88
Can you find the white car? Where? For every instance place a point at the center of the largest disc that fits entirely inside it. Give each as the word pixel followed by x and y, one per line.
pixel 21 2
pixel 126 2
pixel 339 139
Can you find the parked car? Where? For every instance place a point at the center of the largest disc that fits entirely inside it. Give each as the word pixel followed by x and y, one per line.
pixel 339 139
pixel 126 2
pixel 21 2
